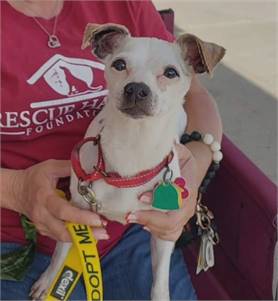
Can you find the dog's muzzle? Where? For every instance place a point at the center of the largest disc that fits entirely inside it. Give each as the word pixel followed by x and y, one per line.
pixel 137 100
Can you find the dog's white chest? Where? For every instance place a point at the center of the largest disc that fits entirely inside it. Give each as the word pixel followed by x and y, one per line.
pixel 115 203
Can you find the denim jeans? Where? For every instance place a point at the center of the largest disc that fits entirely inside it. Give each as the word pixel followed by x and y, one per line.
pixel 126 270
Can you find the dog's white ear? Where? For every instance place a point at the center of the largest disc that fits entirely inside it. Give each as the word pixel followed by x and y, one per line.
pixel 202 56
pixel 104 39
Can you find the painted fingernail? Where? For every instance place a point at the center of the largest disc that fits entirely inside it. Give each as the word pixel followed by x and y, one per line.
pixel 131 218
pixel 126 216
pixel 104 222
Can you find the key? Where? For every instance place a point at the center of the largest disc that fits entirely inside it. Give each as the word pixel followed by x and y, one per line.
pixel 201 257
pixel 206 254
pixel 209 254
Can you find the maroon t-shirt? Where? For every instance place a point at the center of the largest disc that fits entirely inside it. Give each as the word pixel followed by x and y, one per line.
pixel 49 96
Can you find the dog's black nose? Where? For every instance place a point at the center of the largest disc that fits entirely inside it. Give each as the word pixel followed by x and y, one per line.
pixel 137 91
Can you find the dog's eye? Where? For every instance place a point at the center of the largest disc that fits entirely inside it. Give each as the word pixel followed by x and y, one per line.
pixel 119 65
pixel 171 72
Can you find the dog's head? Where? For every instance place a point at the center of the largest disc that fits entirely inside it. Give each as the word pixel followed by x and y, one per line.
pixel 148 76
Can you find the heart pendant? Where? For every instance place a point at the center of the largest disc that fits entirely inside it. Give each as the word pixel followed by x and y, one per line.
pixel 53 42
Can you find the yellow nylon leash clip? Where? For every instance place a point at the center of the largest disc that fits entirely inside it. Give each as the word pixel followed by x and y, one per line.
pixel 82 259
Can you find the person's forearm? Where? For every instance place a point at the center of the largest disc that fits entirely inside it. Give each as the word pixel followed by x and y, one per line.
pixel 9 181
pixel 203 116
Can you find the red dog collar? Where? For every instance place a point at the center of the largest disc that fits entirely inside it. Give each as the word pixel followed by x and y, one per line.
pixel 111 178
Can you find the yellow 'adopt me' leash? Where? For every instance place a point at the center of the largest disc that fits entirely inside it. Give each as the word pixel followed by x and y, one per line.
pixel 83 259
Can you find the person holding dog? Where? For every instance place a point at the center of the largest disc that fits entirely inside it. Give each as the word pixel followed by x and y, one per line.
pixel 51 91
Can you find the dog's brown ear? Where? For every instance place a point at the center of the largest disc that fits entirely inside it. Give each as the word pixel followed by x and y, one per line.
pixel 87 36
pixel 104 39
pixel 202 56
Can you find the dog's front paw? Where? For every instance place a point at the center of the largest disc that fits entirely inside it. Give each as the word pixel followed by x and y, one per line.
pixel 40 287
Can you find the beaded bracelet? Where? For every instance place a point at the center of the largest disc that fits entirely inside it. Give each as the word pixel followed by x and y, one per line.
pixel 217 155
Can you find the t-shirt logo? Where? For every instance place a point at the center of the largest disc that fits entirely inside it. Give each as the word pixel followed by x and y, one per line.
pixel 73 95
pixel 70 77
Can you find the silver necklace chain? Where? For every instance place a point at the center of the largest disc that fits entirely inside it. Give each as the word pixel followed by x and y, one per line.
pixel 53 41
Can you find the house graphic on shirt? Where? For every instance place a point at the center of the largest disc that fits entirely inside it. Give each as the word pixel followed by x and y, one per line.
pixel 70 77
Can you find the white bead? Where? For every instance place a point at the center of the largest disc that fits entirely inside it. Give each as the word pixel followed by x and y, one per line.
pixel 208 139
pixel 217 156
pixel 215 146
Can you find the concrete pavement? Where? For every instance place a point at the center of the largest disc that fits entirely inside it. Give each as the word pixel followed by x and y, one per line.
pixel 245 84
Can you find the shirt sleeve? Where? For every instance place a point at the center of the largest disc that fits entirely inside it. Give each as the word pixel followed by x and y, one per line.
pixel 148 21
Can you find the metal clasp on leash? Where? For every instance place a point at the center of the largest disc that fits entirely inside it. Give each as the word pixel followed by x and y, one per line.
pixel 204 221
pixel 86 191
pixel 97 169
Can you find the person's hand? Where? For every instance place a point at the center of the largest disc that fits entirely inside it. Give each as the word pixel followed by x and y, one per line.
pixel 169 225
pixel 35 196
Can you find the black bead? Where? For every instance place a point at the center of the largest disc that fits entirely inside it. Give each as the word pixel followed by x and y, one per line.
pixel 185 138
pixel 205 182
pixel 196 136
pixel 211 174
pixel 202 189
pixel 214 166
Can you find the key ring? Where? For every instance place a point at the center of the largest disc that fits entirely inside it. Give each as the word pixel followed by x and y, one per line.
pixel 167 172
pixel 203 220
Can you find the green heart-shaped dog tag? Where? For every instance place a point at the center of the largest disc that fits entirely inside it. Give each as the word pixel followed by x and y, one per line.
pixel 166 196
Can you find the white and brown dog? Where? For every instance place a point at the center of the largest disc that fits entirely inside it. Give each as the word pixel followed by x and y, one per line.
pixel 147 79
